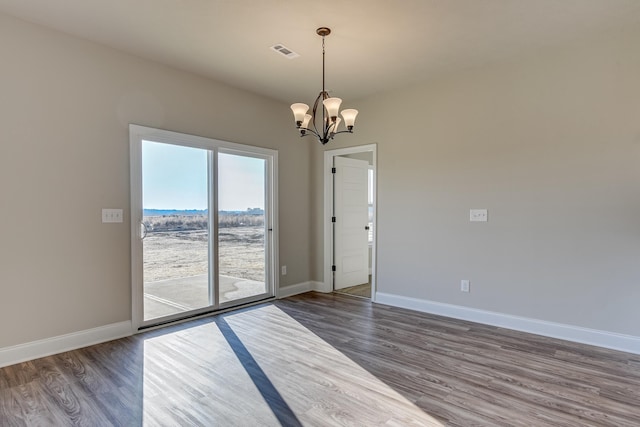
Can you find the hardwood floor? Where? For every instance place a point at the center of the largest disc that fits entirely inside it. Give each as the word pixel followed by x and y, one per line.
pixel 323 360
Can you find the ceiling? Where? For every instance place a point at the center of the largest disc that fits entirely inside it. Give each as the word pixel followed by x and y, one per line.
pixel 375 45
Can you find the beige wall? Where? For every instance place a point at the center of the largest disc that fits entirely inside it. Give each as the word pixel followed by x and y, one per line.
pixel 65 106
pixel 550 145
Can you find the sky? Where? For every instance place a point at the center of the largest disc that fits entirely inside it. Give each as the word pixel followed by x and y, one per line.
pixel 175 177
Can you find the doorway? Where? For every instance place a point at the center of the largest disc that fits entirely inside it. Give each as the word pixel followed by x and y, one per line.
pixel 203 217
pixel 350 221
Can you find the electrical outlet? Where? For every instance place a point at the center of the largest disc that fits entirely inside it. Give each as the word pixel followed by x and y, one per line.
pixel 465 286
pixel 284 270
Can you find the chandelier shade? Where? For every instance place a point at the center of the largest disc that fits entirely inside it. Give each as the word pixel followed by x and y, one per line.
pixel 333 106
pixel 299 111
pixel 324 117
pixel 349 117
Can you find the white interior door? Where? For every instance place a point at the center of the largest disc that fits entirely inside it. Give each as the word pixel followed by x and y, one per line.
pixel 351 250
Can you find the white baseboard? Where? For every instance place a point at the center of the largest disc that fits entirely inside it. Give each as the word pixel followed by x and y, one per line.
pixel 612 340
pixel 48 346
pixel 298 288
pixel 319 287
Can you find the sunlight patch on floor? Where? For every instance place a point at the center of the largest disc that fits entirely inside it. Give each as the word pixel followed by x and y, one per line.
pixel 320 383
pixel 260 366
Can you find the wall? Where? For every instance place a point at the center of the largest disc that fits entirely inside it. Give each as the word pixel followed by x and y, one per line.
pixel 549 143
pixel 64 155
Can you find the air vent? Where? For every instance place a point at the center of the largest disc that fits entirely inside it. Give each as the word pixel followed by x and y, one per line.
pixel 284 51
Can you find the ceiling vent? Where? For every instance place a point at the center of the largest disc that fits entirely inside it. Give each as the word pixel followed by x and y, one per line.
pixel 284 51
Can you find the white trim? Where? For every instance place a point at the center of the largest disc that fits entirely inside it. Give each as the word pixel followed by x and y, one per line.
pixel 274 239
pixel 160 135
pixel 611 340
pixel 327 284
pixel 135 215
pixel 48 346
pixel 299 288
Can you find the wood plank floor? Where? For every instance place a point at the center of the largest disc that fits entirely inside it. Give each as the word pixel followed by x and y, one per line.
pixel 324 360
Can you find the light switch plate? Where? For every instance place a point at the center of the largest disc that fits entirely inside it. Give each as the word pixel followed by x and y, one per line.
pixel 480 215
pixel 112 215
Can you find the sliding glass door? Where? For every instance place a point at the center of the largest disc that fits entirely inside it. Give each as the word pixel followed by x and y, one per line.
pixel 202 215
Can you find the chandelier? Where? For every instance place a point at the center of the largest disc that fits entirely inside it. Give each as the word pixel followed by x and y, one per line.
pixel 328 110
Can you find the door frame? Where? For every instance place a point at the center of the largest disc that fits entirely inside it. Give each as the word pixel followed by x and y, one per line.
pixel 138 133
pixel 327 285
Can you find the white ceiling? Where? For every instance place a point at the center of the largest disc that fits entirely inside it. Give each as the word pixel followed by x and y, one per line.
pixel 375 45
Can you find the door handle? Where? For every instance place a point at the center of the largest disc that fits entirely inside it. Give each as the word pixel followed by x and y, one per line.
pixel 143 230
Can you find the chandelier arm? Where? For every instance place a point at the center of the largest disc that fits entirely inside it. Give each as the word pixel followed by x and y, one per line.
pixel 324 122
pixel 308 132
pixel 313 114
pixel 342 131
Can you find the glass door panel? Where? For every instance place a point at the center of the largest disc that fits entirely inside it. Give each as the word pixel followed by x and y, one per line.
pixel 242 227
pixel 175 222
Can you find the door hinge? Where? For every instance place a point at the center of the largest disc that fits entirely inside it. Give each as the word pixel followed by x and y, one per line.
pixel 333 170
pixel 333 268
pixel 333 219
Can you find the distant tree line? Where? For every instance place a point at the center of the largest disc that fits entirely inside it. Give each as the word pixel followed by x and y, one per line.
pixel 200 222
